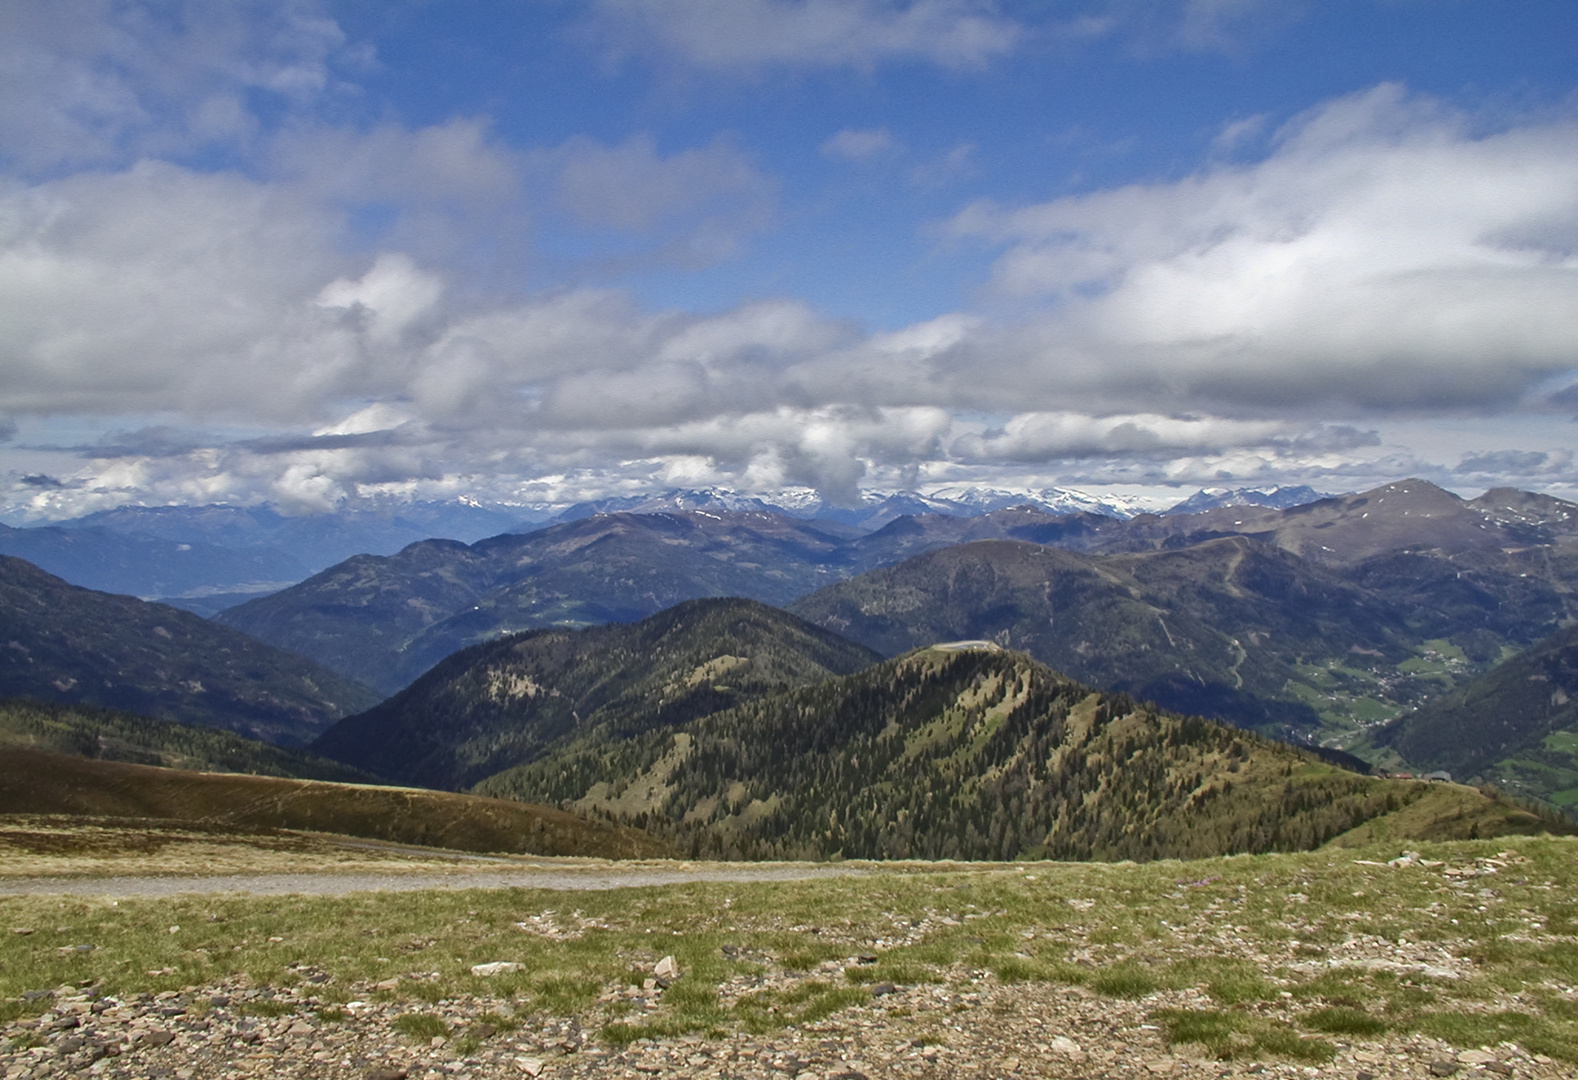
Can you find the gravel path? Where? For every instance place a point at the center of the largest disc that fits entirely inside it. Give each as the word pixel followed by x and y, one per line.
pixel 536 875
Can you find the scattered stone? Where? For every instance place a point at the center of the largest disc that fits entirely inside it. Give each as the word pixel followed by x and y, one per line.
pixel 385 1072
pixel 1475 1057
pixel 22 930
pixel 529 1065
pixel 1062 1044
pixel 1500 1068
pixel 1443 1068
pixel 882 989
pixel 497 967
pixel 666 968
pixel 156 1038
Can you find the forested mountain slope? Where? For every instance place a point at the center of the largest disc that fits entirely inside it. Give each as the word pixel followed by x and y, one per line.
pixel 962 752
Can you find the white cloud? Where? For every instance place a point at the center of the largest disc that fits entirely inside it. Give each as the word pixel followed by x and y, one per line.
pixel 94 81
pixel 1383 256
pixel 861 145
pixel 393 295
pixel 1043 436
pixel 737 35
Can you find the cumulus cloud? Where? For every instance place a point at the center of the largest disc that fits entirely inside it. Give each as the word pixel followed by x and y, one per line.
pixel 1043 436
pixel 1383 256
pixel 740 35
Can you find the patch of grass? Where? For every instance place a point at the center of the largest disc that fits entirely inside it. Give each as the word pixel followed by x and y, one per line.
pixel 1540 1035
pixel 422 1026
pixel 1345 1020
pixel 1124 981
pixel 1229 1034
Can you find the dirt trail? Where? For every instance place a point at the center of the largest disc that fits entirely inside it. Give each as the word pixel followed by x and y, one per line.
pixel 544 874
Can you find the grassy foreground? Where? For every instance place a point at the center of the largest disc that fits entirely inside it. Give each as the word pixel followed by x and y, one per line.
pixel 1284 956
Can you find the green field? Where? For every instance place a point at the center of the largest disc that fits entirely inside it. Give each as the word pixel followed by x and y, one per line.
pixel 1278 956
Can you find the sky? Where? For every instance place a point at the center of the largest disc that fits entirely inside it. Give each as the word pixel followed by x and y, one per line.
pixel 537 251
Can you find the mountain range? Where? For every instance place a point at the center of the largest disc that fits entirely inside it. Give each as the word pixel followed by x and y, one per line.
pixel 1314 622
pixel 207 558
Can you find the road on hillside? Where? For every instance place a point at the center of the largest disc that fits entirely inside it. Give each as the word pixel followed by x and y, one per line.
pixel 536 875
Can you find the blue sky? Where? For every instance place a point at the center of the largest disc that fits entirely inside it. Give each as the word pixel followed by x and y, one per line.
pixel 542 251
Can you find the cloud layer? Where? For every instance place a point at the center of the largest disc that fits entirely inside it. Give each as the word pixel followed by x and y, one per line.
pixel 336 308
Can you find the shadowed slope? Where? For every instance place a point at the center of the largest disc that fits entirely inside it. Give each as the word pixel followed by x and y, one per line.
pixel 40 783
pixel 66 644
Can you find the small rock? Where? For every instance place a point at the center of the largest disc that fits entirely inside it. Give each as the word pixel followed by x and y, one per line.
pixel 157 1038
pixel 666 968
pixel 529 1065
pixel 866 958
pixel 1500 1068
pixel 882 989
pixel 22 930
pixel 1364 1076
pixel 37 995
pixel 387 984
pixel 497 967
pixel 300 1027
pixel 1443 1068
pixel 1062 1044
pixel 1475 1057
pixel 484 1031
pixel 386 1072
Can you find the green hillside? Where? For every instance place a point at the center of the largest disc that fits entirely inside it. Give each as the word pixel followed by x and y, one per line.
pixel 967 752
pixel 501 704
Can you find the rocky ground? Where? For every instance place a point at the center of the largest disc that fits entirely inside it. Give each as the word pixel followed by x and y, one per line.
pixel 971 1027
